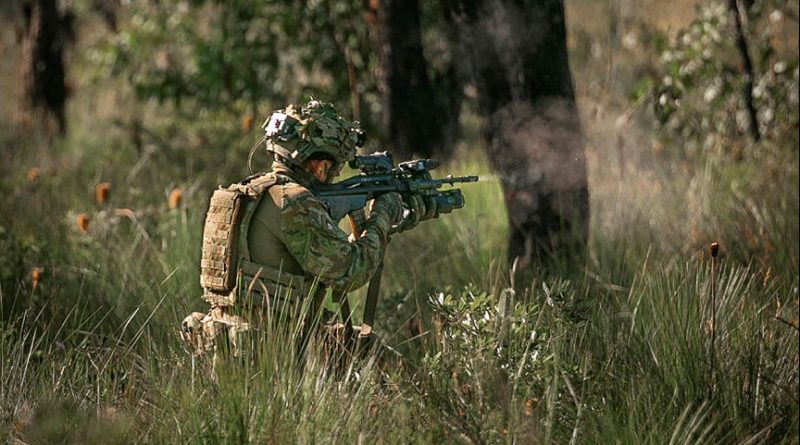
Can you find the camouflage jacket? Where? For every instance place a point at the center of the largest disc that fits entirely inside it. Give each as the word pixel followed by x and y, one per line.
pixel 291 230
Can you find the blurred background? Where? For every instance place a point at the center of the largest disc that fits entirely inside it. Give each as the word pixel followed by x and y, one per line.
pixel 615 140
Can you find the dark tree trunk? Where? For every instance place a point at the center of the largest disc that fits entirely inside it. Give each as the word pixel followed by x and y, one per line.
pixel 517 54
pixel 417 110
pixel 46 32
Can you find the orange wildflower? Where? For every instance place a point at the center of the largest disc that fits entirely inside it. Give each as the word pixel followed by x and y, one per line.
pixel 33 174
pixel 247 123
pixel 101 192
pixel 36 276
pixel 714 247
pixel 83 222
pixel 175 198
pixel 529 405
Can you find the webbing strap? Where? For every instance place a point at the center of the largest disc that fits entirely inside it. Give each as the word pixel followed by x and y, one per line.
pixel 251 269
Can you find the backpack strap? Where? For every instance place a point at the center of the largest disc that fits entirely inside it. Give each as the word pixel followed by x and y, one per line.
pixel 255 189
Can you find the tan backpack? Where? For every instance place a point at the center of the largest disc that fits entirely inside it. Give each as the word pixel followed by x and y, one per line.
pixel 228 212
pixel 227 216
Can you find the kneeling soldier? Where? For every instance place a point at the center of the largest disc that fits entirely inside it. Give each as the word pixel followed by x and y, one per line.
pixel 269 241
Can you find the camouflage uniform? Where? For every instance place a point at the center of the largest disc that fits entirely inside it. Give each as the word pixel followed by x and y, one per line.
pixel 269 239
pixel 291 230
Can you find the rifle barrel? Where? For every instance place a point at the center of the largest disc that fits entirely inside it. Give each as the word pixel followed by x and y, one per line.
pixel 451 180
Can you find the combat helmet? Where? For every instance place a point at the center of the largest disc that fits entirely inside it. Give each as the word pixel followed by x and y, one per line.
pixel 298 133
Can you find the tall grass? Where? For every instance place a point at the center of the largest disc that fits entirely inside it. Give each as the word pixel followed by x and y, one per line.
pixel 615 351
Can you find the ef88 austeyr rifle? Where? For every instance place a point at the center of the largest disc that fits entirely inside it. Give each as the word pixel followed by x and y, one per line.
pixel 379 175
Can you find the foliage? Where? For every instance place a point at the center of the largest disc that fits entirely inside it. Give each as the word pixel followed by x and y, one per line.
pixel 492 360
pixel 11 254
pixel 243 53
pixel 697 93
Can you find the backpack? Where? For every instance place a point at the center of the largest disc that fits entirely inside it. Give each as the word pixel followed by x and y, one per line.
pixel 228 215
pixel 229 209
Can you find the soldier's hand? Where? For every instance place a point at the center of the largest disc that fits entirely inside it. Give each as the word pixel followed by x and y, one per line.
pixel 421 208
pixel 391 205
pixel 425 207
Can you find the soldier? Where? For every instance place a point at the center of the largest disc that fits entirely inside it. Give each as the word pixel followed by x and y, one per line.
pixel 269 240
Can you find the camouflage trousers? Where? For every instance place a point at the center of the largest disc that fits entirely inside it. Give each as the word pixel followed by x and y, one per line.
pixel 256 334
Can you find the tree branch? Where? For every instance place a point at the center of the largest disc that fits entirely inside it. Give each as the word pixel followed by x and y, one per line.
pixel 747 90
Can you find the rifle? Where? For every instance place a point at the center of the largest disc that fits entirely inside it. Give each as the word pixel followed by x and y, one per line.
pixel 379 175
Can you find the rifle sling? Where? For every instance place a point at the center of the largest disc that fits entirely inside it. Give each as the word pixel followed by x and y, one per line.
pixel 358 224
pixel 373 291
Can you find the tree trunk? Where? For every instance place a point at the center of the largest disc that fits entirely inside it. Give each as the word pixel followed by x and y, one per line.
pixel 46 32
pixel 517 54
pixel 417 110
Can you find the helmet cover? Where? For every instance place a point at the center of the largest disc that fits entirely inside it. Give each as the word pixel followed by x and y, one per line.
pixel 296 133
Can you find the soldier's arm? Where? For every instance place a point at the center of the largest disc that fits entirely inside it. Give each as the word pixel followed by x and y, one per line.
pixel 322 248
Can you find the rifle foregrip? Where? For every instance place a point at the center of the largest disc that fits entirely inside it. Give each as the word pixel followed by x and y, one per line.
pixel 449 200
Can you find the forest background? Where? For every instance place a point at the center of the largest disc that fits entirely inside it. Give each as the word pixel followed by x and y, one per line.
pixel 644 339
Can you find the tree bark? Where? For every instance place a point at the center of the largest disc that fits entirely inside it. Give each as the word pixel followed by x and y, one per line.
pixel 418 110
pixel 517 54
pixel 46 32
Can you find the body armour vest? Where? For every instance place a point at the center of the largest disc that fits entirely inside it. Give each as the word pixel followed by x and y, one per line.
pixel 228 271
